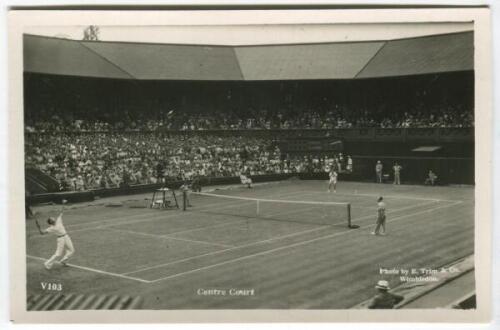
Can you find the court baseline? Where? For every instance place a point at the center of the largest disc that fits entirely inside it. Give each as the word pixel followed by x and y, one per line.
pixel 96 270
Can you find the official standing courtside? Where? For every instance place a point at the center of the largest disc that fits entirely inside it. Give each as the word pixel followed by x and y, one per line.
pixel 378 171
pixel 397 173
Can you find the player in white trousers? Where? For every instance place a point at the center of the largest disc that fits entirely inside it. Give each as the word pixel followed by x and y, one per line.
pixel 333 180
pixel 380 217
pixel 65 248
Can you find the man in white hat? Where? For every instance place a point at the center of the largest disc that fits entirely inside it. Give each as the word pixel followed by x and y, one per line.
pixel 384 299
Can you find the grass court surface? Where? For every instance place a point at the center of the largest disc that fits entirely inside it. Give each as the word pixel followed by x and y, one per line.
pixel 166 256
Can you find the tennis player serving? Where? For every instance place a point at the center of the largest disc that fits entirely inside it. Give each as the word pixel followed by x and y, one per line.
pixel 64 243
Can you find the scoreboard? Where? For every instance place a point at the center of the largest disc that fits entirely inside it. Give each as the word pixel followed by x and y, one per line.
pixel 314 145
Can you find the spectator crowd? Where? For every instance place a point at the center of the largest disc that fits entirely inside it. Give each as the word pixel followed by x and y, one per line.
pixel 261 119
pixel 106 160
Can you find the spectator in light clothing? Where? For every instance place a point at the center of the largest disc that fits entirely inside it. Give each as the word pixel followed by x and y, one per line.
pixel 397 173
pixel 378 171
pixel 340 162
pixel 384 299
pixel 349 164
pixel 431 178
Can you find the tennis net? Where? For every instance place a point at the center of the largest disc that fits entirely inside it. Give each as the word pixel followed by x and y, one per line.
pixel 308 212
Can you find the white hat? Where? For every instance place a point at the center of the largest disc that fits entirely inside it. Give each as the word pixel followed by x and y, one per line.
pixel 384 285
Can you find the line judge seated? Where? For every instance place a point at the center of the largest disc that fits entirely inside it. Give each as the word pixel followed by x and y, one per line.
pixel 245 180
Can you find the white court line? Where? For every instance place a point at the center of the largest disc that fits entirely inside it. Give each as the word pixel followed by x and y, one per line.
pixel 269 240
pixel 200 242
pixel 167 237
pixel 229 223
pixel 295 244
pixel 391 196
pixel 117 223
pixel 97 271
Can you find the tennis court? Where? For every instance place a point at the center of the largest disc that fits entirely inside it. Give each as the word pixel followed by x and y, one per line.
pixel 292 255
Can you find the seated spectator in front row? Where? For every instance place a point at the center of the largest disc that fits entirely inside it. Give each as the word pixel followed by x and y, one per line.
pixel 246 180
pixel 349 164
pixel 384 299
pixel 431 178
pixel 196 184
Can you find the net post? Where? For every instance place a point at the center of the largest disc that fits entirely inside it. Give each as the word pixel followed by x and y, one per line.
pixel 349 215
pixel 184 199
pixel 349 224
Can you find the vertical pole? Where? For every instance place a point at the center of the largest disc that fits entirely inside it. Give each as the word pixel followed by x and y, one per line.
pixel 349 215
pixel 175 198
pixel 184 200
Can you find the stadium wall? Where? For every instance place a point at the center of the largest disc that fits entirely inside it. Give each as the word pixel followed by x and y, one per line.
pixel 450 170
pixel 86 196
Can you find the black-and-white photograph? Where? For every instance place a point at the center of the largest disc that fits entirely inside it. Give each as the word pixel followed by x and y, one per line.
pixel 250 167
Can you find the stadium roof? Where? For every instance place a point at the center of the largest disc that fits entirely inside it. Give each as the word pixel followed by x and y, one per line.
pixel 336 60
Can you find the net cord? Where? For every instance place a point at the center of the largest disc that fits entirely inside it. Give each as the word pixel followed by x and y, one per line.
pixel 259 200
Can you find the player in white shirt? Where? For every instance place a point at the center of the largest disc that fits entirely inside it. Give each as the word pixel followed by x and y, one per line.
pixel 333 180
pixel 380 217
pixel 64 243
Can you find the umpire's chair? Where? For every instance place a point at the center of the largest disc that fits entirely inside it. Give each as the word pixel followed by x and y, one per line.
pixel 164 198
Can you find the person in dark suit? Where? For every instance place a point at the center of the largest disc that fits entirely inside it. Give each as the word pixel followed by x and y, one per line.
pixel 384 299
pixel 378 171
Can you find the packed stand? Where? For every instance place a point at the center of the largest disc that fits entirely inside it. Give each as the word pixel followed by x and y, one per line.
pixel 264 119
pixel 106 160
